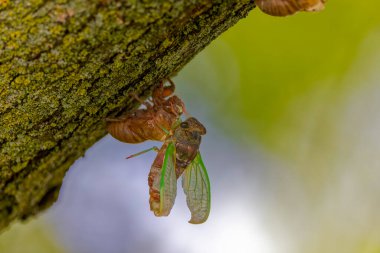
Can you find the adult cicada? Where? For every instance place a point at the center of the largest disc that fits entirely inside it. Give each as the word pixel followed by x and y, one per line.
pixel 179 155
pixel 289 7
pixel 161 113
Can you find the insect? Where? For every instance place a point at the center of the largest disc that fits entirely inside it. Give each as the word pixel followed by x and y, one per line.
pixel 162 112
pixel 179 155
pixel 289 7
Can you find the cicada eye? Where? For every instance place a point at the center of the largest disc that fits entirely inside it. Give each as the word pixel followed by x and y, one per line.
pixel 184 125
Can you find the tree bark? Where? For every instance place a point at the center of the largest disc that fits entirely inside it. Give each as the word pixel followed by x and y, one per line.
pixel 66 65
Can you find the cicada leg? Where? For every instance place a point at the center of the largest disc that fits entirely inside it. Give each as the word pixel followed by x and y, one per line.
pixel 148 105
pixel 121 118
pixel 143 152
pixel 168 90
pixel 176 123
pixel 186 112
pixel 166 131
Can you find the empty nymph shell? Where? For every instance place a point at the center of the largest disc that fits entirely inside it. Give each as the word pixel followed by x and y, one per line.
pixel 289 7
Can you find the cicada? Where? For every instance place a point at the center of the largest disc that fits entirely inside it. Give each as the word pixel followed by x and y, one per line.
pixel 162 112
pixel 289 7
pixel 179 155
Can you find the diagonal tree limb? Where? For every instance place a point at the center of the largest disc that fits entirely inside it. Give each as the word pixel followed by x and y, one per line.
pixel 66 65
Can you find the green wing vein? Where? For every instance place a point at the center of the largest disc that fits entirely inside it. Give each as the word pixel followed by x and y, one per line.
pixel 168 181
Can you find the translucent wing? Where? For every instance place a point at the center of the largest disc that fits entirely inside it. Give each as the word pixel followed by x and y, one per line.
pixel 168 181
pixel 196 185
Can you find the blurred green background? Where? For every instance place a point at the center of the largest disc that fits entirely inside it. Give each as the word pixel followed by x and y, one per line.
pixel 282 64
pixel 304 90
pixel 284 82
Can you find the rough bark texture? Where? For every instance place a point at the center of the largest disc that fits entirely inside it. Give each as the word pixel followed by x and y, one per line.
pixel 65 65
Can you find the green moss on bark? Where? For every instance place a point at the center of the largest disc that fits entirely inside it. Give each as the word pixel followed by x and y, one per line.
pixel 68 64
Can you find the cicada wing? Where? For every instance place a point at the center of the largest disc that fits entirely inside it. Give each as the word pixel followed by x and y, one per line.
pixel 196 185
pixel 168 181
pixel 162 181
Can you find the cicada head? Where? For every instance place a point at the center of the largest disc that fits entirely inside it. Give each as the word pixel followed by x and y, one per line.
pixel 193 125
pixel 190 131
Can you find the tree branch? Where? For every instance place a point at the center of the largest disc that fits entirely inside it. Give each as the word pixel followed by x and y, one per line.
pixel 66 65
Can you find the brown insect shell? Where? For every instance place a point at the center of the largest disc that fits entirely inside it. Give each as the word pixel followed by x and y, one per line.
pixel 142 125
pixel 289 7
pixel 316 5
pixel 161 92
pixel 174 105
pixel 147 124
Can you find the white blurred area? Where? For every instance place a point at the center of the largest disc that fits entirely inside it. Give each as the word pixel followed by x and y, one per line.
pixel 335 203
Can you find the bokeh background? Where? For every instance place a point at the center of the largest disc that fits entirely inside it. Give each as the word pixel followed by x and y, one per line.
pixel 293 148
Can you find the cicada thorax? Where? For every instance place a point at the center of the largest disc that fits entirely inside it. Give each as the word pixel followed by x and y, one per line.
pixel 188 138
pixel 289 7
pixel 150 123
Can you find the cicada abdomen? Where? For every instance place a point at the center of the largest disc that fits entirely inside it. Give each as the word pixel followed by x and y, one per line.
pixel 141 126
pixel 162 181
